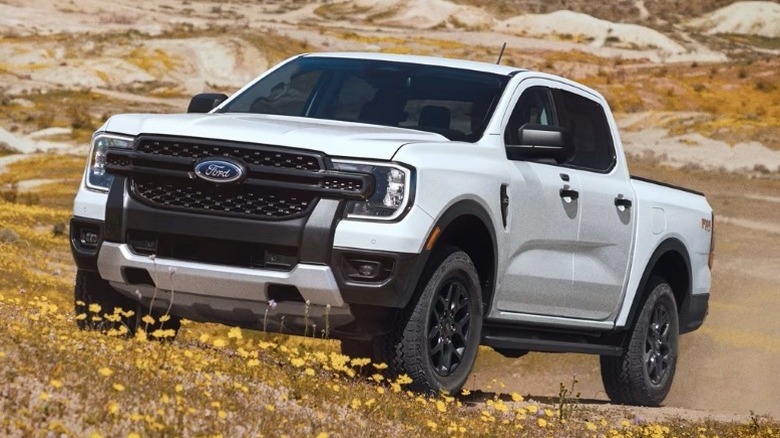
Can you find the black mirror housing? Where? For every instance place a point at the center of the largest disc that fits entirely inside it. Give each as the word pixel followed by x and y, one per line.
pixel 205 102
pixel 541 142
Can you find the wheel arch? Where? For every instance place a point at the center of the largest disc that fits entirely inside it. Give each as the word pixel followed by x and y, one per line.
pixel 672 262
pixel 467 225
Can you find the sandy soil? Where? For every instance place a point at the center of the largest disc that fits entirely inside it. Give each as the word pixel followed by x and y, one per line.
pixel 691 149
pixel 599 32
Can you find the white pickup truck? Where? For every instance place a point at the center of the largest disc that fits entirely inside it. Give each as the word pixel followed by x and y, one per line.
pixel 412 207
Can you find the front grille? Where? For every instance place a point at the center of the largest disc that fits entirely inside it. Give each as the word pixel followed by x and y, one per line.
pixel 265 156
pixel 240 201
pixel 278 183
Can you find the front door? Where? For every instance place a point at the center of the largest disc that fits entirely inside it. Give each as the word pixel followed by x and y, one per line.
pixel 543 221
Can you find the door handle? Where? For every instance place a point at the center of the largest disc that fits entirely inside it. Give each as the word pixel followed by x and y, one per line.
pixel 569 193
pixel 623 202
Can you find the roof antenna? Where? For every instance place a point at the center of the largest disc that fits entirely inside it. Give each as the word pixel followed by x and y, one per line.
pixel 501 54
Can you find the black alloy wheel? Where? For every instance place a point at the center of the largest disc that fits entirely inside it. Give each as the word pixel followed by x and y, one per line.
pixel 449 327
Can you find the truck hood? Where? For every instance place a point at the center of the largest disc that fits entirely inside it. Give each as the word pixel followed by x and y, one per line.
pixel 334 138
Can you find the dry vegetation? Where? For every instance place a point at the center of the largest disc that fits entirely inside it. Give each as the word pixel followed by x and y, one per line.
pixel 219 381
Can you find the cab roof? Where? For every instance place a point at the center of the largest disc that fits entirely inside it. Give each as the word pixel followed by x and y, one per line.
pixel 424 60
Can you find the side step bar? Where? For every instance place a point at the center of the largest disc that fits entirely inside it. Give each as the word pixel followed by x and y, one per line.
pixel 548 345
pixel 523 338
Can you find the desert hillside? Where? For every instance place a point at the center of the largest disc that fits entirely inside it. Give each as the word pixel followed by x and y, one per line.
pixel 695 87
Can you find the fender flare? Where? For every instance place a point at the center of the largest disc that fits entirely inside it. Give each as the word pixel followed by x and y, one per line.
pixel 470 207
pixel 669 245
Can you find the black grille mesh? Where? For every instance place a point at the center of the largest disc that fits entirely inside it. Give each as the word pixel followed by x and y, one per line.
pixel 259 157
pixel 230 201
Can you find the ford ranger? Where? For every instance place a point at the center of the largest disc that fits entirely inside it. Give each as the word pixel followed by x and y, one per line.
pixel 414 208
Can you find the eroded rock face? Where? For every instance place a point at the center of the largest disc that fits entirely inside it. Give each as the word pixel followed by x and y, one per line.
pixel 756 18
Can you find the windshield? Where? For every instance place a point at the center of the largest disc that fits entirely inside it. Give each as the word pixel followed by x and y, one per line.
pixel 453 102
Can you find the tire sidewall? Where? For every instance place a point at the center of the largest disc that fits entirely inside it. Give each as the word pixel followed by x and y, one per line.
pixel 458 266
pixel 661 295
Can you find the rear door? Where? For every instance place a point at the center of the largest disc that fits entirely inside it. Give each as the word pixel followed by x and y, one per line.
pixel 603 250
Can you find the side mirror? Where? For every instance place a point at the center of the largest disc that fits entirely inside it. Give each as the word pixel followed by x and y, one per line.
pixel 205 102
pixel 540 142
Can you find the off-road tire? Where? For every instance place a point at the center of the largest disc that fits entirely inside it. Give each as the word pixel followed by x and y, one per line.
pixel 643 374
pixel 443 326
pixel 91 289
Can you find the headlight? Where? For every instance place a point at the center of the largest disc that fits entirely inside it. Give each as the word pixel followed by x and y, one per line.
pixel 97 178
pixel 391 192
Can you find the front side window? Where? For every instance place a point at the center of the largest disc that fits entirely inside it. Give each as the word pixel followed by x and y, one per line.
pixel 453 102
pixel 534 107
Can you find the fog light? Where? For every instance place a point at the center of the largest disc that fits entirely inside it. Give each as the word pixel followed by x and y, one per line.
pixel 363 270
pixel 88 238
pixel 367 270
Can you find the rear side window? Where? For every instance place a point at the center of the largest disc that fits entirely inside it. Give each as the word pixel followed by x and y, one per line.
pixel 587 123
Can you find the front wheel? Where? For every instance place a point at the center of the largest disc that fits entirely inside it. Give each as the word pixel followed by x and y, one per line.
pixel 643 374
pixel 436 343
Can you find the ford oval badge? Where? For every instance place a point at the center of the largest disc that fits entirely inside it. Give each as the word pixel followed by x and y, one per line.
pixel 219 171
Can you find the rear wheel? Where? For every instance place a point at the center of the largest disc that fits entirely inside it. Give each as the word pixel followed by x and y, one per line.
pixel 643 374
pixel 95 303
pixel 436 343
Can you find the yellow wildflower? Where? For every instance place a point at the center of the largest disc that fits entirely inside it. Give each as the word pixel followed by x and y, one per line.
pixel 252 363
pixel 440 406
pixel 95 308
pixel 56 383
pixel 404 379
pixel 148 319
pixel 309 372
pixel 44 396
pixel 112 407
pixel 119 387
pixel 465 392
pixel 81 316
pixel 322 435
pixel 542 422
pixel 235 333
pixel 105 371
pixel 219 342
pixel 298 362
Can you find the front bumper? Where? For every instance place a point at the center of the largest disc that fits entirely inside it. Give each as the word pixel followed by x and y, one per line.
pixel 240 296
